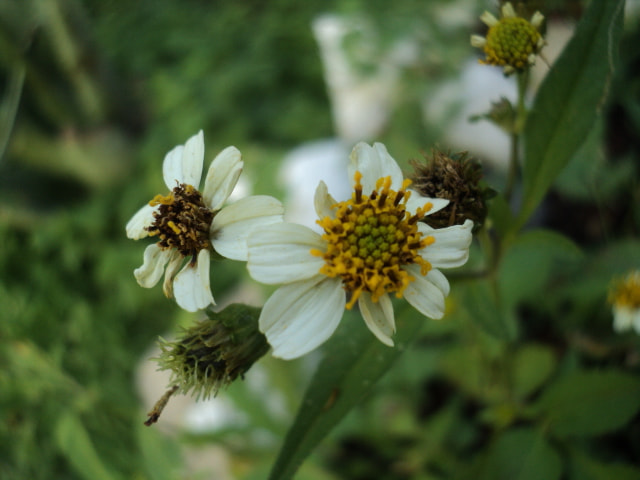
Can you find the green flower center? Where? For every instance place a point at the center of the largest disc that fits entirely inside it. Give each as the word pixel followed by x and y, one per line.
pixel 512 41
pixel 371 238
pixel 182 221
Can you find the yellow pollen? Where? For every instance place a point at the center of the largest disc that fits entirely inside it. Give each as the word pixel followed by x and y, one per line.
pixel 626 292
pixel 182 221
pixel 371 238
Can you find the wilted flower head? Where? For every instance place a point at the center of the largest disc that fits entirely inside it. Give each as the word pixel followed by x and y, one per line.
pixel 191 224
pixel 455 177
pixel 373 246
pixel 624 297
pixel 511 42
pixel 214 352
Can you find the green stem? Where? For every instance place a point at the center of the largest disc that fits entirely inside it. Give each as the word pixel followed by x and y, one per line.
pixel 521 116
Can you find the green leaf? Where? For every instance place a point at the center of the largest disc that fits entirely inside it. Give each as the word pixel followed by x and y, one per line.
pixel 160 453
pixel 74 442
pixel 535 252
pixel 569 100
pixel 353 361
pixel 480 301
pixel 584 467
pixel 590 403
pixel 521 454
pixel 531 367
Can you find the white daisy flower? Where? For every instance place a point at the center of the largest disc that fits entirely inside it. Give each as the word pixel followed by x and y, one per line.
pixel 373 245
pixel 625 300
pixel 191 224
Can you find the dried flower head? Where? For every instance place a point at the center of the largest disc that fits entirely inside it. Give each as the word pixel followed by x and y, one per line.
pixel 455 177
pixel 511 42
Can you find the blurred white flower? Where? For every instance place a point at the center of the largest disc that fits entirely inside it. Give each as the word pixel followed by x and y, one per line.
pixel 625 300
pixel 190 224
pixel 372 245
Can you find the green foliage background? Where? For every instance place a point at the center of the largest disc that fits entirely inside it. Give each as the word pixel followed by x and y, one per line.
pixel 524 379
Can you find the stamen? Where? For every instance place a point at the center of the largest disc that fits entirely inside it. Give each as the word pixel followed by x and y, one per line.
pixel 370 239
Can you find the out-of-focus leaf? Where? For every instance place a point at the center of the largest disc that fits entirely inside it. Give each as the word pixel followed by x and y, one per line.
pixel 531 367
pixel 589 403
pixel 528 262
pixel 160 454
pixel 480 301
pixel 353 361
pixel 584 467
pixel 74 441
pixel 521 454
pixel 569 100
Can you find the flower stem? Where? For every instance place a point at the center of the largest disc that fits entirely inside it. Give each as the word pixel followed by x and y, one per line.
pixel 521 117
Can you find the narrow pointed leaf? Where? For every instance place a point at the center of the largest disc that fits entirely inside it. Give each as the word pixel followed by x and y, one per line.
pixel 570 99
pixel 353 361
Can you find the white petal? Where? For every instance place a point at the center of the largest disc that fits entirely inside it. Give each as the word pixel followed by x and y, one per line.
pixel 192 160
pixel 508 11
pixel 233 224
pixel 536 20
pixel 622 318
pixel 175 261
pixel 425 293
pixel 374 163
pixel 323 201
pixel 418 201
pixel 172 167
pixel 378 316
pixel 155 258
pixel 137 227
pixel 183 164
pixel 478 41
pixel 488 19
pixel 281 253
pixel 451 246
pixel 222 177
pixel 191 287
pixel 299 317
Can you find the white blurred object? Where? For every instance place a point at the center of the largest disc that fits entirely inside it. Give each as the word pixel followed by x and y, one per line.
pixel 472 94
pixel 360 102
pixel 476 89
pixel 302 170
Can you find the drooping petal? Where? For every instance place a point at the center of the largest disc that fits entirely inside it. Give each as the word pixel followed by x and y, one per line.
pixel 137 227
pixel 281 253
pixel 451 246
pixel 193 159
pixel 155 258
pixel 424 294
pixel 191 287
pixel 233 224
pixel 378 316
pixel 323 201
pixel 222 177
pixel 172 167
pixel 374 163
pixel 416 201
pixel 175 261
pixel 299 317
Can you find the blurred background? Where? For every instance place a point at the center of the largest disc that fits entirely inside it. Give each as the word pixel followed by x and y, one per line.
pixel 92 96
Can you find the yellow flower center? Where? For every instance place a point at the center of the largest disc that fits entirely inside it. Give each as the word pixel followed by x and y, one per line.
pixel 371 238
pixel 512 41
pixel 626 293
pixel 182 221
